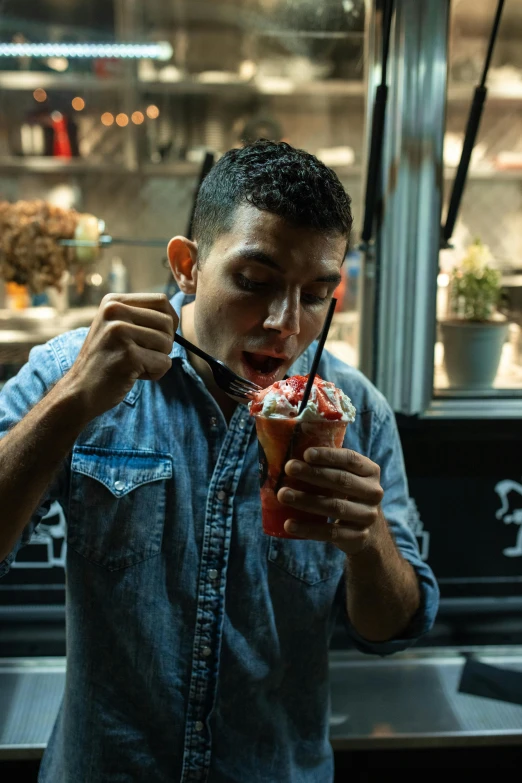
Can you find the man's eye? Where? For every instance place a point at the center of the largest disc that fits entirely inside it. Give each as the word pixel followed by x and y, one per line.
pixel 314 299
pixel 250 285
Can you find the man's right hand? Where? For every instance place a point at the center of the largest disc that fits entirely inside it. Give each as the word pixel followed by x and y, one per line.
pixel 130 339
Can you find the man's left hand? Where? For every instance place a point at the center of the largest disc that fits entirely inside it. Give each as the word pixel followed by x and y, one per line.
pixel 355 495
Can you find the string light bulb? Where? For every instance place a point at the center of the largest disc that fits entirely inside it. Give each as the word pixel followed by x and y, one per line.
pixel 127 51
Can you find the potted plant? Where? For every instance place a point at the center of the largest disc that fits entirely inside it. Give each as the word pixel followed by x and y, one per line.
pixel 474 332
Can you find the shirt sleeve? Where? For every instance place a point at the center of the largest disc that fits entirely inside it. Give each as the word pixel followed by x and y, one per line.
pixel 17 397
pixel 386 451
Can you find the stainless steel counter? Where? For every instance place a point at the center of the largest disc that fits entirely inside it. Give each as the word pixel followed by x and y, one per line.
pixel 408 701
pixel 412 701
pixel 30 695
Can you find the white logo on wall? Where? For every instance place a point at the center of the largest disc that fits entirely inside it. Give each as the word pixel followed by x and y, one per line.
pixel 510 515
pixel 416 525
pixel 47 538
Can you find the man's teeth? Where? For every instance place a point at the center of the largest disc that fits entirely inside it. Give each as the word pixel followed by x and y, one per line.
pixel 263 364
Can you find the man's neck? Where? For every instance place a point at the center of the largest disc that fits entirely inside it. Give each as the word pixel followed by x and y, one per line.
pixel 227 405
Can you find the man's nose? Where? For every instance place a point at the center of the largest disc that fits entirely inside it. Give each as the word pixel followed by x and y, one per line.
pixel 283 316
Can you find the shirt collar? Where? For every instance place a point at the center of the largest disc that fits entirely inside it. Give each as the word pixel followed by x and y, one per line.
pixel 177 302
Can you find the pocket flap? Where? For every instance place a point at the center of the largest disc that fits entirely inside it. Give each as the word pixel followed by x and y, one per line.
pixel 311 561
pixel 121 470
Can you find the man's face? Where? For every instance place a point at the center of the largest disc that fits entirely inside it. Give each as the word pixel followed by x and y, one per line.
pixel 263 293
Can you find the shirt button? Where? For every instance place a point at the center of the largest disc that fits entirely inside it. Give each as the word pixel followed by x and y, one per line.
pixel 213 574
pixel 221 495
pixel 199 726
pixel 242 424
pixel 213 421
pixel 206 651
pixel 119 485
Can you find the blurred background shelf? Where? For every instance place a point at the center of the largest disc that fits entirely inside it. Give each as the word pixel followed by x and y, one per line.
pixel 496 92
pixel 33 80
pixel 268 86
pixel 50 165
pixel 479 174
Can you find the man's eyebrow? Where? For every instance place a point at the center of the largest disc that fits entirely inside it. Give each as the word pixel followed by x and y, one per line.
pixel 251 254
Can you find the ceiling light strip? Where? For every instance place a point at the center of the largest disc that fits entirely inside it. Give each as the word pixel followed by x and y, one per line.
pixel 131 51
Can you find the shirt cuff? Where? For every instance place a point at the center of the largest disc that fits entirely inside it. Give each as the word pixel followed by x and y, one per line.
pixel 6 564
pixel 26 536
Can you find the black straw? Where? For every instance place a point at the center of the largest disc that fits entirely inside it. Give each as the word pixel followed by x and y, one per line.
pixel 318 354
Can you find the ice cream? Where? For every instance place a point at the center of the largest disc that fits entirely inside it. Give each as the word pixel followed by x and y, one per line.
pixel 285 434
pixel 283 399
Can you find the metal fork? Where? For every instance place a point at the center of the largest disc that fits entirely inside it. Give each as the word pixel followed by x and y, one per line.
pixel 224 377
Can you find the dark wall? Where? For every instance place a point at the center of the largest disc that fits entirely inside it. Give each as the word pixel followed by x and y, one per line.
pixel 466 480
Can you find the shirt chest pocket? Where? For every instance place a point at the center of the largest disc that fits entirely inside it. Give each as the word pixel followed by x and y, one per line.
pixel 311 562
pixel 117 507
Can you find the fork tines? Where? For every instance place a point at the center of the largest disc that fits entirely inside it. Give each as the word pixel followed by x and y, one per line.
pixel 239 389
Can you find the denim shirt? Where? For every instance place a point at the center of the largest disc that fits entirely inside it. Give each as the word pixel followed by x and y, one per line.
pixel 197 646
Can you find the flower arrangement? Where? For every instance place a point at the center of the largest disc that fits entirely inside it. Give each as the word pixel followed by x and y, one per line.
pixel 475 285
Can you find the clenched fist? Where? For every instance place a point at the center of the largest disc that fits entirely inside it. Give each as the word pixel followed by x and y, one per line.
pixel 130 339
pixel 353 499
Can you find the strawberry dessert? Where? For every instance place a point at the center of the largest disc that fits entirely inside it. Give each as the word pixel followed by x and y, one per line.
pixel 284 434
pixel 283 399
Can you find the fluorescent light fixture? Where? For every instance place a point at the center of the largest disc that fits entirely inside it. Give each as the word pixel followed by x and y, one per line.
pixel 126 51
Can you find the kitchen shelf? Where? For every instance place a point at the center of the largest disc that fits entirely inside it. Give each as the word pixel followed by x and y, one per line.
pixel 269 86
pixel 156 32
pixel 49 165
pixel 32 80
pixel 486 174
pixel 196 87
pixel 498 92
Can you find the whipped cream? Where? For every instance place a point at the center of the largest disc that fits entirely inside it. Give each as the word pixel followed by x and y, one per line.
pixel 276 405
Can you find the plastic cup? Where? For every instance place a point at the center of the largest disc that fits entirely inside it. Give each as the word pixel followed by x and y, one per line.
pixel 280 440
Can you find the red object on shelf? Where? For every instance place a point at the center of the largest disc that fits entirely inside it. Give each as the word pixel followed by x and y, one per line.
pixel 107 67
pixel 340 292
pixel 61 140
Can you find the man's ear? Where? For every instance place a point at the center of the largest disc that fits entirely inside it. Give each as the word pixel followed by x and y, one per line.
pixel 183 259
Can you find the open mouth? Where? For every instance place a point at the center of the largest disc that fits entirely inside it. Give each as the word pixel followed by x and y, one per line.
pixel 260 368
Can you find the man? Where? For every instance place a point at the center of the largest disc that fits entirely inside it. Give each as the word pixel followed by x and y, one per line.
pixel 197 647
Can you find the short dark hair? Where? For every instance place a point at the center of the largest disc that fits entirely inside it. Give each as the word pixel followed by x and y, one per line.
pixel 274 177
